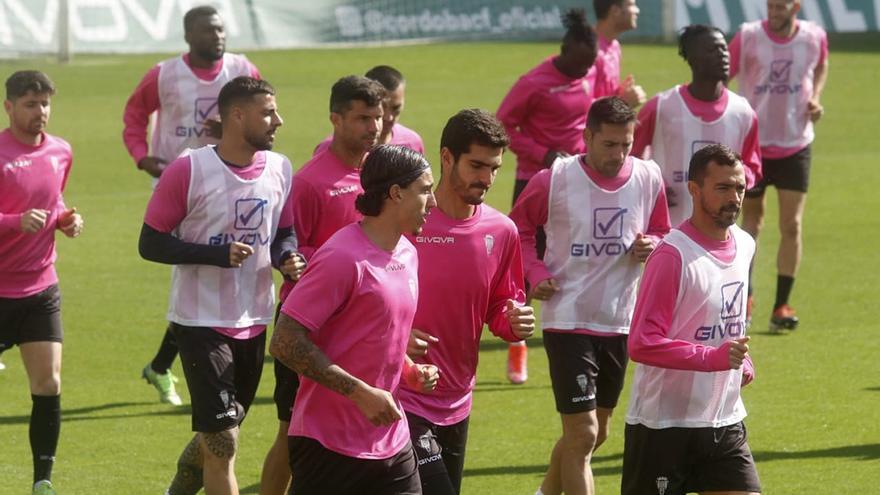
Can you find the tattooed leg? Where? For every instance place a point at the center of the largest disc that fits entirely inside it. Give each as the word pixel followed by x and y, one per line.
pixel 219 451
pixel 188 480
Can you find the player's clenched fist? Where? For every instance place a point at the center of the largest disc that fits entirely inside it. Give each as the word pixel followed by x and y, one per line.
pixel 521 318
pixel 377 405
pixel 294 266
pixel 238 252
pixel 737 352
pixel 70 223
pixel 33 220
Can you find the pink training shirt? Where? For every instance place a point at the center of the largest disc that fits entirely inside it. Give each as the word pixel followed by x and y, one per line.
pixel 145 100
pixel 468 270
pixel 169 206
pixel 358 301
pixel 400 136
pixel 30 177
pixel 653 314
pixel 607 68
pixel 545 110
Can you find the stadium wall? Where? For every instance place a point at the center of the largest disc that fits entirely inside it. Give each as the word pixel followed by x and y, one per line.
pixel 34 27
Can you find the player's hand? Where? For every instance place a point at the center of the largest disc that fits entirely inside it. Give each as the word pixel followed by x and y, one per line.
pixel 521 318
pixel 815 110
pixel 70 222
pixel 33 220
pixel 376 404
pixel 294 266
pixel 737 352
pixel 238 252
pixel 632 93
pixel 152 165
pixel 642 247
pixel 422 377
pixel 552 156
pixel 671 197
pixel 419 341
pixel 213 127
pixel 545 289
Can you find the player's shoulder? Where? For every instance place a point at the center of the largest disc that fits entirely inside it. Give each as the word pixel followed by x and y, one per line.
pixel 812 28
pixel 405 133
pixel 59 143
pixel 496 219
pixel 649 166
pixel 751 27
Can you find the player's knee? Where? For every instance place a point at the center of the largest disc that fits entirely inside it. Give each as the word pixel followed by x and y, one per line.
pixel 601 436
pixel 581 437
pixel 220 447
pixel 791 228
pixel 47 385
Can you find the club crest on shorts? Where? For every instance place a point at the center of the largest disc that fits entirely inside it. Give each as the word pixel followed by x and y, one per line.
pixel 425 442
pixel 224 396
pixel 490 243
pixel 662 484
pixel 582 383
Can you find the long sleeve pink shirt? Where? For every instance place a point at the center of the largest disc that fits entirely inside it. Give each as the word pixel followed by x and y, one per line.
pixel 145 100
pixel 658 291
pixel 545 110
pixel 707 111
pixel 30 177
pixel 607 68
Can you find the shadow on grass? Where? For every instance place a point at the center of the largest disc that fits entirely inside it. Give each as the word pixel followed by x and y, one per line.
pixel 873 389
pixel 496 344
pixel 867 452
pixel 255 488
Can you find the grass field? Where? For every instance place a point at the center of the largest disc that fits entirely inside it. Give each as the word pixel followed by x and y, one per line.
pixel 813 417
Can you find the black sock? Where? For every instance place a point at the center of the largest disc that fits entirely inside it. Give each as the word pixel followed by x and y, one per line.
pixel 783 290
pixel 44 431
pixel 167 352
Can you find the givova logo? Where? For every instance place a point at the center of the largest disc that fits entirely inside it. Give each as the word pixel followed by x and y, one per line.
pixel 780 71
pixel 249 217
pixel 778 80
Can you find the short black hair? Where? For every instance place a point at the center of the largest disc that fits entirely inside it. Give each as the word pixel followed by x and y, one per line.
pixel 238 89
pixel 609 110
pixel 351 88
pixel 387 76
pixel 713 153
pixel 189 19
pixel 387 165
pixel 24 81
pixel 472 126
pixel 688 34
pixel 602 7
pixel 577 29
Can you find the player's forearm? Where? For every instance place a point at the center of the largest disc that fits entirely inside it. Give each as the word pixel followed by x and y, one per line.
pixel 162 247
pixel 820 76
pixel 11 221
pixel 646 346
pixel 282 246
pixel 292 346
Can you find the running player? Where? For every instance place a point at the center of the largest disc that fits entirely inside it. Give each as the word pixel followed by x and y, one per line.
pixel 613 18
pixel 34 168
pixel 603 212
pixel 545 114
pixel 679 121
pixel 782 65
pixel 182 92
pixel 393 132
pixel 222 216
pixel 344 328
pixel 324 190
pixel 487 289
pixel 684 429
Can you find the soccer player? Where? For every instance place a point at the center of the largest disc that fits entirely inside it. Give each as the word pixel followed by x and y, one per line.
pixel 613 18
pixel 182 92
pixel 603 212
pixel 684 429
pixel 782 64
pixel 393 132
pixel 324 191
pixel 34 168
pixel 677 122
pixel 222 216
pixel 344 328
pixel 485 287
pixel 545 113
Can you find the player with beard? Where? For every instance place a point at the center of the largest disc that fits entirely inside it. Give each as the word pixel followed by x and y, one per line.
pixel 486 288
pixel 324 192
pixel 182 93
pixel 684 424
pixel 613 18
pixel 344 328
pixel 677 122
pixel 222 216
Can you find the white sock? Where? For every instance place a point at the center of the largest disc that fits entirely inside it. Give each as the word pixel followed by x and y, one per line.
pixel 539 492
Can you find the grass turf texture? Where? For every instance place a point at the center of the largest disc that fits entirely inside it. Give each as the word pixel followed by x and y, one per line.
pixel 812 410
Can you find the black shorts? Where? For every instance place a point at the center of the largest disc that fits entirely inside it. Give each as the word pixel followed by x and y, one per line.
pixel 320 471
pixel 540 236
pixel 35 318
pixel 685 460
pixel 439 449
pixel 286 384
pixel 586 371
pixel 791 173
pixel 222 375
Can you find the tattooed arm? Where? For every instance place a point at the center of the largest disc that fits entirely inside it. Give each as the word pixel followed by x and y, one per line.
pixel 292 346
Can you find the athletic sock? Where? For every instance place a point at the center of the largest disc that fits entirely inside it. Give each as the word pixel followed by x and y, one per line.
pixel 44 431
pixel 783 290
pixel 166 355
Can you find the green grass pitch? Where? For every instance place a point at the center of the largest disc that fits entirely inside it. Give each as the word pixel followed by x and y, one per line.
pixel 813 420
